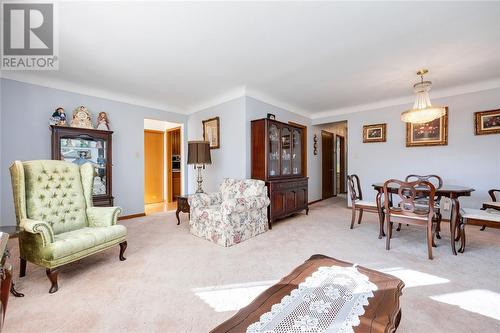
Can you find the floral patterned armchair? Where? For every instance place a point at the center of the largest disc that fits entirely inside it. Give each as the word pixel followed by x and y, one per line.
pixel 234 214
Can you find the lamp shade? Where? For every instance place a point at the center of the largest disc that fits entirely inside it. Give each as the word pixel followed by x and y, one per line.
pixel 199 152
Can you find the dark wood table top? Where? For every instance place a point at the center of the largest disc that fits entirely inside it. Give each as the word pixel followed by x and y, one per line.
pixel 382 314
pixel 445 190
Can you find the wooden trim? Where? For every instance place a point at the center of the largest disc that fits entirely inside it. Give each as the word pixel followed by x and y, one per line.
pixel 131 216
pixel 153 131
pixel 315 201
pixel 304 146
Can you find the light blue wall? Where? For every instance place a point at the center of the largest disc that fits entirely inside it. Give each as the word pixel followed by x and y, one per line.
pixel 229 161
pixel 25 135
pixel 468 159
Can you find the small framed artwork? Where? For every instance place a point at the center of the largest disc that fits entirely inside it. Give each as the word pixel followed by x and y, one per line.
pixel 375 133
pixel 271 116
pixel 433 133
pixel 487 122
pixel 211 132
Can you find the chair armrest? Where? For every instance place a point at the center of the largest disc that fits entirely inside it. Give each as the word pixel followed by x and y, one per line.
pixel 103 216
pixel 204 199
pixel 38 227
pixel 239 205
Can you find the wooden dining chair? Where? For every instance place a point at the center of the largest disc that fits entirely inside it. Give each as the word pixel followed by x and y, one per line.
pixel 423 199
pixel 493 204
pixel 479 217
pixel 357 202
pixel 408 211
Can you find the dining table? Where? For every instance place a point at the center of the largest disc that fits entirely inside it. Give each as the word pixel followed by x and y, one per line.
pixel 450 191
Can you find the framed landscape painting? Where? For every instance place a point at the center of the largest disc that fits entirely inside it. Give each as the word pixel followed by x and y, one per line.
pixel 375 133
pixel 487 122
pixel 211 132
pixel 433 133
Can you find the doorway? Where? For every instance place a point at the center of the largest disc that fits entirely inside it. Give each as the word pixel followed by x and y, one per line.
pixel 327 165
pixel 163 160
pixel 334 159
pixel 340 170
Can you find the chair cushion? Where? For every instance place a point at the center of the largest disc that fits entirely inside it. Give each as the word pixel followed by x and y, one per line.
pixel 478 214
pixel 54 194
pixel 241 188
pixel 365 203
pixel 72 242
pixel 492 203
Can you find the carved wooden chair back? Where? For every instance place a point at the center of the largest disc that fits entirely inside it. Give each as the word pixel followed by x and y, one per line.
pixel 492 194
pixel 408 209
pixel 354 187
pixel 433 179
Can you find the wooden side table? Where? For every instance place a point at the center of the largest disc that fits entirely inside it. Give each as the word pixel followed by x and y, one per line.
pixel 13 232
pixel 182 206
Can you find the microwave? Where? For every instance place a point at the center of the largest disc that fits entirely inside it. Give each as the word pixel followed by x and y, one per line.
pixel 176 162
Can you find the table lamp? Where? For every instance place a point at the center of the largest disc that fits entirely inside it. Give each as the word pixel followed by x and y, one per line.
pixel 199 155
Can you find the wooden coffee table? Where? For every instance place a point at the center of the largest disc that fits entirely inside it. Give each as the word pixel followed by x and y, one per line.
pixel 382 314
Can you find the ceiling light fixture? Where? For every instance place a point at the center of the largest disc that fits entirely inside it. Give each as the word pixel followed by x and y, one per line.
pixel 422 111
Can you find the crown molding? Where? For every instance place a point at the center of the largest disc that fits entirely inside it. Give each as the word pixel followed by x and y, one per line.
pixel 250 92
pixel 227 96
pixel 89 91
pixel 318 117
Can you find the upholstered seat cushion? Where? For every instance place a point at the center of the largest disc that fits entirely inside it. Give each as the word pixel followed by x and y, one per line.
pixel 365 203
pixel 493 203
pixel 73 242
pixel 478 214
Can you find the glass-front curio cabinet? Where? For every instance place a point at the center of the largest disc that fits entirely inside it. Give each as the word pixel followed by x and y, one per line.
pixel 83 145
pixel 278 157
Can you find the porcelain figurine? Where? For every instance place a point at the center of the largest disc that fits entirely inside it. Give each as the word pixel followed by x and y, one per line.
pixel 102 121
pixel 81 118
pixel 58 117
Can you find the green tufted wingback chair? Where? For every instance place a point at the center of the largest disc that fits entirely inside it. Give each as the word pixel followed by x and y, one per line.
pixel 53 203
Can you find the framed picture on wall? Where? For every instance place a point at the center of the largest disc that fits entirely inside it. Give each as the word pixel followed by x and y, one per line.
pixel 487 122
pixel 375 133
pixel 211 132
pixel 433 133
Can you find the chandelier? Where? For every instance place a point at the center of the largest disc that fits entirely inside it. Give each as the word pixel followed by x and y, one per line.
pixel 422 111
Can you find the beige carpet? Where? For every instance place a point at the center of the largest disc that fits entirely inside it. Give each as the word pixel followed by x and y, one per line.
pixel 175 282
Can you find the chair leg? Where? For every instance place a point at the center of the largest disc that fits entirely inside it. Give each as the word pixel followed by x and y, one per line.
pixel 22 267
pixel 399 227
pixel 429 240
pixel 388 236
pixel 438 226
pixel 360 215
pixel 52 274
pixel 353 217
pixel 123 246
pixel 462 238
pixel 482 228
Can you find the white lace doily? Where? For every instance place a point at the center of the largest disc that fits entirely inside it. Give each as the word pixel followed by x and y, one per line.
pixel 330 300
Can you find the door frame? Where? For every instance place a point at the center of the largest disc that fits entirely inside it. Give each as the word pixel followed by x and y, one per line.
pixel 168 135
pixel 342 162
pixel 325 195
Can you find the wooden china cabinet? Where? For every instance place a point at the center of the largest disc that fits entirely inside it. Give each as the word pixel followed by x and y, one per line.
pixel 82 145
pixel 278 158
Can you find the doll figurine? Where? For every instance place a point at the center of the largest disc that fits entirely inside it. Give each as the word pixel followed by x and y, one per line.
pixel 102 121
pixel 58 117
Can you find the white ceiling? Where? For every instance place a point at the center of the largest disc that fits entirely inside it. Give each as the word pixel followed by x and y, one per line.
pixel 315 58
